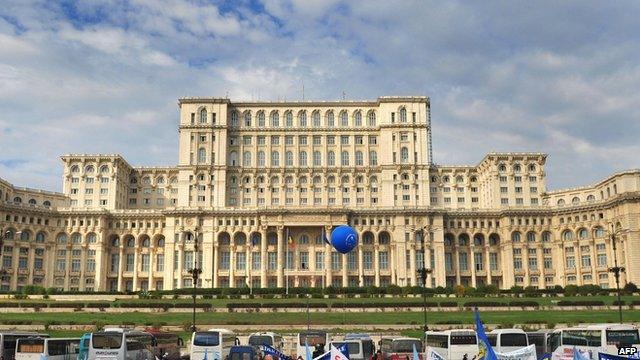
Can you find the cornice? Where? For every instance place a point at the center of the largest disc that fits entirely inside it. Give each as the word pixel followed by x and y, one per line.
pixel 333 103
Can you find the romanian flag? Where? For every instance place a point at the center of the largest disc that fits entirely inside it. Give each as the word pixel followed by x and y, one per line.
pixel 291 242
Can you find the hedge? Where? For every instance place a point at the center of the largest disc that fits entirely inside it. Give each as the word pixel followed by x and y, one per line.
pixel 485 304
pixel 524 303
pixel 580 303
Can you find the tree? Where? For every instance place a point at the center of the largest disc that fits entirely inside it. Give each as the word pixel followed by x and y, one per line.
pixel 630 288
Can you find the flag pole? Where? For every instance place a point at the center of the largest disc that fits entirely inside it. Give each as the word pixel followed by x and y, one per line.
pixel 324 272
pixel 286 267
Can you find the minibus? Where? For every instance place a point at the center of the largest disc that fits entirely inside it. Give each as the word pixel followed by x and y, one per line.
pixel 8 342
pixel 317 340
pixel 213 344
pixel 368 346
pixel 592 339
pixel 121 344
pixel 266 338
pixel 37 348
pixel 507 340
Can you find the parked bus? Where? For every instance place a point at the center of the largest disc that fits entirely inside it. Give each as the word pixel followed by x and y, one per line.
pixel 368 346
pixel 83 353
pixel 507 340
pixel 396 348
pixel 266 338
pixel 167 345
pixel 213 344
pixel 121 344
pixel 591 339
pixel 316 339
pixel 354 347
pixel 8 342
pixel 453 344
pixel 35 348
pixel 539 339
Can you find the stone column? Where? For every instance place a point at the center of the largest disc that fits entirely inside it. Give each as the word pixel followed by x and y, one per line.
pixel 263 258
pixel 152 262
pixel 392 263
pixel 232 265
pixel 136 263
pixel 360 264
pixel 412 265
pixel 327 258
pixel 345 271
pixel 207 259
pixel 216 252
pixel 472 261
pixel 376 262
pixel 456 264
pixel 487 257
pixel 180 264
pixel 120 268
pixel 281 263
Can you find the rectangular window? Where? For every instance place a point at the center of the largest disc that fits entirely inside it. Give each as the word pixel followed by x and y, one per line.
pixel 304 260
pixel 319 260
pixel 586 261
pixel 129 262
pixel 272 259
pixel 225 260
pixel 115 260
pixel 187 263
pixel 160 262
pixel 368 260
pixel 533 263
pixel 256 262
pixel 383 260
pixel 602 260
pixel 477 257
pixel 448 261
pixel 336 261
pixel 493 261
pixel 548 263
pixel 570 262
pixel 517 263
pixel 241 260
pixel 463 261
pixel 145 262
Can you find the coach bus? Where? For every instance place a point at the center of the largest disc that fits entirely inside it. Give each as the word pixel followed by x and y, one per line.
pixel 396 348
pixel 37 348
pixel 453 344
pixel 121 344
pixel 368 346
pixel 8 342
pixel 507 340
pixel 213 344
pixel 591 339
pixel 266 338
pixel 317 340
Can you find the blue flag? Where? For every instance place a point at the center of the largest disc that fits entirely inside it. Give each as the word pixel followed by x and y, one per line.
pixel 308 352
pixel 603 356
pixel 327 355
pixel 577 355
pixel 486 351
pixel 415 353
pixel 273 352
pixel 205 354
pixel 545 356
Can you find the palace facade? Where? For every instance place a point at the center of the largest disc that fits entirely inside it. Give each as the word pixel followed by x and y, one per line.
pixel 258 185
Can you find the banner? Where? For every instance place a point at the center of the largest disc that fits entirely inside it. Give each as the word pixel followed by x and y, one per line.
pixel 327 356
pixel 485 350
pixel 526 353
pixel 432 354
pixel 275 353
pixel 603 356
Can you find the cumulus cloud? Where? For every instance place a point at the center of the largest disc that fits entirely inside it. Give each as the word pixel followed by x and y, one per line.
pixel 103 76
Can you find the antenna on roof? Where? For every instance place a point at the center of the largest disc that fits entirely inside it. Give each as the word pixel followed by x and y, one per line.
pixel 226 94
pixel 344 95
pixel 303 91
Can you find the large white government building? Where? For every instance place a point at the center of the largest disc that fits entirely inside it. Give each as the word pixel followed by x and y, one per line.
pixel 253 175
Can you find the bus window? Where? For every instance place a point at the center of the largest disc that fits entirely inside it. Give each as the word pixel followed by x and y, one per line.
pixel 31 346
pixel 463 339
pixel 352 347
pixel 622 337
pixel 107 341
pixel 406 346
pixel 206 338
pixel 493 339
pixel 312 339
pixel 257 340
pixel 513 340
pixel 553 342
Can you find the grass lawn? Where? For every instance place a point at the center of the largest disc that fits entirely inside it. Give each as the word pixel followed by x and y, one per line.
pixel 325 318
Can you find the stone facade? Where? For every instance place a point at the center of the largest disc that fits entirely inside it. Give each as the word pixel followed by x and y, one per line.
pixel 258 185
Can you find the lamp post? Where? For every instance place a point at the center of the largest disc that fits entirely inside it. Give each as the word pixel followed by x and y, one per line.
pixel 423 273
pixel 195 274
pixel 616 270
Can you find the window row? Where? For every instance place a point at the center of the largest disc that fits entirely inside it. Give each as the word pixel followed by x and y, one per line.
pixel 300 119
pixel 301 158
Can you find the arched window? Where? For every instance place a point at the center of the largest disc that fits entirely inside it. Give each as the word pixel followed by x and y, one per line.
pixel 146 180
pixel 463 240
pixel 41 237
pixel 174 180
pixel 331 158
pixel 532 167
pixel 275 158
pixel 445 179
pixel 288 119
pixel 317 180
pixel 32 202
pixel 275 119
pixel 25 235
pixel 373 181
pixel 591 198
pixel 302 159
pixel 459 179
pixel 161 241
pixel 288 158
pixel 76 238
pixel 233 158
pixel 403 115
pixel 261 159
pixel 246 158
pixel 115 241
pixel 531 236
pixel 575 200
pixel 583 233
pixel 515 236
pixel 62 238
pixel 449 239
pixel 316 118
pixel 160 180
pixel 494 239
pixel 202 156
pixel 478 240
pixel 560 202
pixel 234 118
pixel 517 168
pixel 302 180
pixel 359 158
pixel 131 242
pixel 247 118
pixel 344 158
pixel 384 238
pixel 47 203
pixel 357 118
pixel 599 232
pixel 330 119
pixel 104 169
pixel 203 116
pixel 261 120
pixel 317 158
pixel 567 235
pixel 89 169
pixel 373 158
pixel 331 179
pixel 546 236
pixel 145 242
pixel 303 239
pixel 302 118
pixel 371 118
pixel 17 200
pixel 91 238
pixel 502 167
pixel 344 118
pixel 404 155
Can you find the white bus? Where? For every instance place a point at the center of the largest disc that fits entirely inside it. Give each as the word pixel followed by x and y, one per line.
pixel 397 348
pixel 453 344
pixel 213 344
pixel 8 342
pixel 121 344
pixel 266 338
pixel 507 340
pixel 317 340
pixel 591 339
pixel 37 348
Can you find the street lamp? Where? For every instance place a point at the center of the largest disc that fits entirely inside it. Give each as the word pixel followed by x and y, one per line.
pixel 423 273
pixel 616 270
pixel 195 274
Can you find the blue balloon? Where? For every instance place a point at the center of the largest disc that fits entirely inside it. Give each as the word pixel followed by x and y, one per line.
pixel 344 238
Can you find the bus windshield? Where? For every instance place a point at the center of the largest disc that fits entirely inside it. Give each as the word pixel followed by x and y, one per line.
pixel 463 340
pixel 257 340
pixel 206 338
pixel 622 337
pixel 513 340
pixel 31 346
pixel 107 341
pixel 352 347
pixel 406 346
pixel 312 339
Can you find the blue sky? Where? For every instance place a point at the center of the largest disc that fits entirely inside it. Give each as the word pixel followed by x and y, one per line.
pixel 103 76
